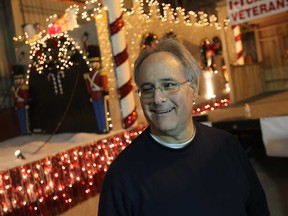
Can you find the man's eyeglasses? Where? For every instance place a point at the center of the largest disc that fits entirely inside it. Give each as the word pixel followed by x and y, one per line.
pixel 166 88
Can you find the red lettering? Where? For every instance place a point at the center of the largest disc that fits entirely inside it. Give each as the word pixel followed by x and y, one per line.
pixel 251 1
pixel 234 16
pixel 230 5
pixel 263 8
pixel 280 3
pixel 255 11
pixel 241 14
pixel 248 11
pixel 271 6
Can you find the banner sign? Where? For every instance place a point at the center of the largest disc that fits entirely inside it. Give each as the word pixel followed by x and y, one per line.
pixel 241 11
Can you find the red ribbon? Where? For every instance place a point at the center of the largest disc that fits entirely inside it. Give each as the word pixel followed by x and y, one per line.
pixel 121 57
pixel 240 54
pixel 125 89
pixel 238 37
pixel 117 25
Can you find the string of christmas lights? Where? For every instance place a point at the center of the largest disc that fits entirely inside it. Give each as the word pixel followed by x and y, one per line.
pixel 52 52
pixel 58 182
pixel 203 109
pixel 91 9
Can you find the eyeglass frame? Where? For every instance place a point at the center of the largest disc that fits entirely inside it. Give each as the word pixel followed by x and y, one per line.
pixel 161 88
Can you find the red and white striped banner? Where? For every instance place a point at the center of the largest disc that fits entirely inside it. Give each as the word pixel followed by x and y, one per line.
pixel 120 54
pixel 238 44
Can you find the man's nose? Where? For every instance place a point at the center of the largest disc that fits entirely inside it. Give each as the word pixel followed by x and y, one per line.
pixel 158 96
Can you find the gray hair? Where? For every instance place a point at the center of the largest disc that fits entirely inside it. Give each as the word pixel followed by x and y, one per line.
pixel 173 46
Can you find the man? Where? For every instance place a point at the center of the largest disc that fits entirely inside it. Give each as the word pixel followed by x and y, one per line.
pixel 177 166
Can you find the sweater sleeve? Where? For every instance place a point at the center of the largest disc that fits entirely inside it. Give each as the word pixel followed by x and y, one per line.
pixel 113 200
pixel 256 203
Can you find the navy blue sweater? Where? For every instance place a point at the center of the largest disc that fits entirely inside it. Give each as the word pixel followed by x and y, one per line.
pixel 211 176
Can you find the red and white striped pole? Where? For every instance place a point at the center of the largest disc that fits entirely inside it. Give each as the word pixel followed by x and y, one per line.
pixel 120 55
pixel 238 44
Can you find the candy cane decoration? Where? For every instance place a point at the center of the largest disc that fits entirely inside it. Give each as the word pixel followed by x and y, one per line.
pixel 56 82
pixel 238 44
pixel 120 54
pixel 60 75
pixel 52 76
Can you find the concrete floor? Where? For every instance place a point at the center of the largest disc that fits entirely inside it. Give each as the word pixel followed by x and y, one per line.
pixel 273 174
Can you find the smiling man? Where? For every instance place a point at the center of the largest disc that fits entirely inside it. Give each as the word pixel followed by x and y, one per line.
pixel 177 166
pixel 166 98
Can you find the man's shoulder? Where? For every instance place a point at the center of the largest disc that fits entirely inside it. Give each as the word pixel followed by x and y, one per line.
pixel 215 136
pixel 128 157
pixel 205 129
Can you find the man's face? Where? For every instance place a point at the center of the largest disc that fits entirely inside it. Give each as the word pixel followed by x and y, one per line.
pixel 167 114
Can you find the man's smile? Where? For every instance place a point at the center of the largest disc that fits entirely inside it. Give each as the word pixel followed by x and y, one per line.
pixel 162 111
